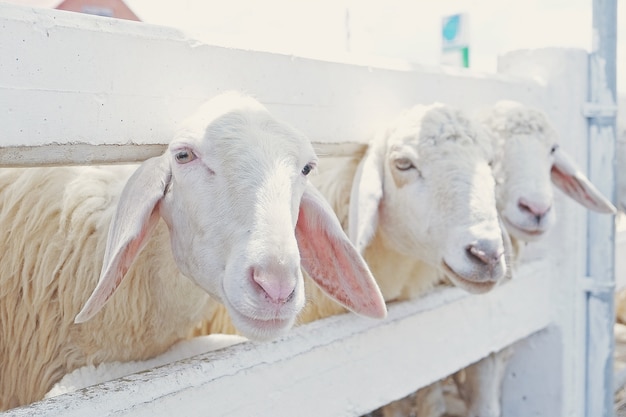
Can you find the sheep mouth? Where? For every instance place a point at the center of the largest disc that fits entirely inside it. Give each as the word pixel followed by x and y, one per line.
pixel 469 285
pixel 267 323
pixel 531 233
pixel 260 329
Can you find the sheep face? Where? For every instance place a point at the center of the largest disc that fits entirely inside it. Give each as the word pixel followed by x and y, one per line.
pixel 529 162
pixel 525 196
pixel 232 189
pixel 240 203
pixel 435 197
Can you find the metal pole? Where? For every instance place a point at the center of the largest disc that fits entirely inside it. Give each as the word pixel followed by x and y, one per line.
pixel 601 111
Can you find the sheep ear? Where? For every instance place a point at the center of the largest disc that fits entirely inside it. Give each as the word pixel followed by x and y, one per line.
pixel 571 180
pixel 365 196
pixel 135 217
pixel 331 260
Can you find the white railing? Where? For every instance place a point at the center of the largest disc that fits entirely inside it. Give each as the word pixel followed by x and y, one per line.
pixel 78 89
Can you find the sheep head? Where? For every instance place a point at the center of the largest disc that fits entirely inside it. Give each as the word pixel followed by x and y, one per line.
pixel 232 188
pixel 529 162
pixel 426 186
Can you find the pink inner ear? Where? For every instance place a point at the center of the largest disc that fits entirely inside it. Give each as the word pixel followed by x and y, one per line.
pixel 572 187
pixel 334 264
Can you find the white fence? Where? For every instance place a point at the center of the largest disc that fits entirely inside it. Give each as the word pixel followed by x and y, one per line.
pixel 81 89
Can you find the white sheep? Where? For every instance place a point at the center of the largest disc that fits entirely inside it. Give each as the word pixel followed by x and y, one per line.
pixel 239 220
pixel 529 162
pixel 422 204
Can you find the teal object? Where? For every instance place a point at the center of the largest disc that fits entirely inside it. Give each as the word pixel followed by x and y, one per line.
pixel 465 57
pixel 451 28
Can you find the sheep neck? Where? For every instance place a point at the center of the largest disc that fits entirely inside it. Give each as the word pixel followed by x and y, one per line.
pixel 399 277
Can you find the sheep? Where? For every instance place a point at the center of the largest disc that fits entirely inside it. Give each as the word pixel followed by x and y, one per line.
pixel 240 218
pixel 529 162
pixel 423 195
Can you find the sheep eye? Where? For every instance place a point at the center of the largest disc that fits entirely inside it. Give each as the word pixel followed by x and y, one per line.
pixel 184 156
pixel 404 164
pixel 307 169
pixel 553 149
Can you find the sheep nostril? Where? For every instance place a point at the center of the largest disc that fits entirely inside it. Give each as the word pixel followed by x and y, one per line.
pixel 276 287
pixel 486 256
pixel 477 254
pixel 523 207
pixel 536 209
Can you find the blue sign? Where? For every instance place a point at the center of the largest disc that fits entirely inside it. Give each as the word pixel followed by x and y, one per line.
pixel 451 27
pixel 455 40
pixel 454 31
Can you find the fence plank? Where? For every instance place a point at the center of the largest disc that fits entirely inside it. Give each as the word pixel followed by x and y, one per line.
pixel 342 366
pixel 86 153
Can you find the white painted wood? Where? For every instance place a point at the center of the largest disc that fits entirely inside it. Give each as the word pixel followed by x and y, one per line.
pixel 84 153
pixel 341 366
pixel 565 72
pixel 69 78
pixel 533 381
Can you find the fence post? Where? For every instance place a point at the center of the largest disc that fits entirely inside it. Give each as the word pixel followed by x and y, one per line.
pixel 564 72
pixel 601 111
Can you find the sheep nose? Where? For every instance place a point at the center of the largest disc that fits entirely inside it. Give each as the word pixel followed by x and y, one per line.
pixel 536 208
pixel 487 252
pixel 276 281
